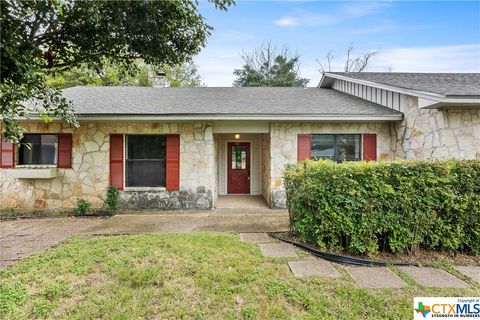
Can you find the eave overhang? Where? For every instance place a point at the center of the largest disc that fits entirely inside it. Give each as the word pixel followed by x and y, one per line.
pixel 426 100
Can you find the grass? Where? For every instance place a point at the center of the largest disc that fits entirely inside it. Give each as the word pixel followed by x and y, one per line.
pixel 190 276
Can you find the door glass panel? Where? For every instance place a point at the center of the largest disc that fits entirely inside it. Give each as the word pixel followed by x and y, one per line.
pixel 239 157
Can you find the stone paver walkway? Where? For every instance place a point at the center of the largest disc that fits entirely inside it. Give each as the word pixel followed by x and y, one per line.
pixel 375 277
pixel 24 237
pixel 278 250
pixel 473 272
pixel 255 237
pixel 313 268
pixel 432 277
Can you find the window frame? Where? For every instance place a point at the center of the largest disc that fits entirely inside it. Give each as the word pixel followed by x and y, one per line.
pixel 126 161
pixel 335 138
pixel 21 160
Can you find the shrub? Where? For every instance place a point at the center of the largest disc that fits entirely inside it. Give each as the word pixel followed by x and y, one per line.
pixel 363 207
pixel 111 200
pixel 83 206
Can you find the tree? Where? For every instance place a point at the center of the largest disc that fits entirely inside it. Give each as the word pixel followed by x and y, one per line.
pixel 109 74
pixel 53 34
pixel 352 64
pixel 183 75
pixel 269 66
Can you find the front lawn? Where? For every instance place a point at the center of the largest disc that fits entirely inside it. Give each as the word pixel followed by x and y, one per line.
pixel 194 275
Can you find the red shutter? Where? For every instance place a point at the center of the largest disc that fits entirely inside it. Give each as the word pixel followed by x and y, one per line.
pixel 116 160
pixel 64 150
pixel 304 147
pixel 173 162
pixel 7 154
pixel 369 146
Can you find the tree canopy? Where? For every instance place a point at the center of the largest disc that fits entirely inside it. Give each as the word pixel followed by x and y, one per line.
pixel 270 66
pixel 53 34
pixel 352 63
pixel 183 75
pixel 137 73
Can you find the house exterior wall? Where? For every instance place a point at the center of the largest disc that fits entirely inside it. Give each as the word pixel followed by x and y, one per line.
pixel 386 98
pixel 255 161
pixel 266 162
pixel 432 134
pixel 89 176
pixel 283 147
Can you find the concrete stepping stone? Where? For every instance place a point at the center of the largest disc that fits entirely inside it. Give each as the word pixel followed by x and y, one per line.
pixel 277 250
pixel 473 272
pixel 255 237
pixel 375 277
pixel 433 277
pixel 313 268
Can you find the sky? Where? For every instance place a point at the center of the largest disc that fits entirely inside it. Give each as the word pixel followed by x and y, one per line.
pixel 417 36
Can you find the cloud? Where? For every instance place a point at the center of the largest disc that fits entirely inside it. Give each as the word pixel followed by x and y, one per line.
pixel 286 22
pixel 454 58
pixel 364 8
pixel 346 12
pixel 306 18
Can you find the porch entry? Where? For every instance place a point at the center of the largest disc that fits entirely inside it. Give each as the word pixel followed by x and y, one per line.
pixel 238 164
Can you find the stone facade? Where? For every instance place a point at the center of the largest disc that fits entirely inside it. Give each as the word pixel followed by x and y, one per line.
pixel 438 134
pixel 266 161
pixel 89 176
pixel 283 147
pixel 423 134
pixel 198 198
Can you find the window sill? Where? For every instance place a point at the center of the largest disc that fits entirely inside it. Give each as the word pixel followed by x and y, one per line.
pixel 37 172
pixel 127 189
pixel 35 166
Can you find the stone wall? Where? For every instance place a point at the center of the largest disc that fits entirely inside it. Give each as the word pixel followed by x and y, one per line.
pixel 266 167
pixel 283 142
pixel 438 134
pixel 89 175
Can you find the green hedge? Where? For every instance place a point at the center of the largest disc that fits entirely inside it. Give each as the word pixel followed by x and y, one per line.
pixel 364 207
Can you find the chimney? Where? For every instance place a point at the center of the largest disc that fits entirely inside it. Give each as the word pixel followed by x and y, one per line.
pixel 160 80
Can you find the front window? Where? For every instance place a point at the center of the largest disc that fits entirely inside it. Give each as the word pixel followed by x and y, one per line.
pixel 337 147
pixel 38 149
pixel 145 160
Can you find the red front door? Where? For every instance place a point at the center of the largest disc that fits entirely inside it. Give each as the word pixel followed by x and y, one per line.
pixel 238 173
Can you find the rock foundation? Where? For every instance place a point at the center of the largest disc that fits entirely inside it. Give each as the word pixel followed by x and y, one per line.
pixel 166 200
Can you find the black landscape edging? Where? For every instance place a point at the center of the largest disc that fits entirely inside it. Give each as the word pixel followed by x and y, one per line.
pixel 339 258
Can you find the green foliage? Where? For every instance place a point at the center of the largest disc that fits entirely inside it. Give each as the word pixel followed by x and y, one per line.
pixel 111 200
pixel 107 74
pixel 183 75
pixel 82 206
pixel 269 66
pixel 363 207
pixel 11 295
pixel 162 275
pixel 59 35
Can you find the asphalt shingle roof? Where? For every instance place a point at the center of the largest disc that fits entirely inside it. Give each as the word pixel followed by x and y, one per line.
pixel 220 101
pixel 449 84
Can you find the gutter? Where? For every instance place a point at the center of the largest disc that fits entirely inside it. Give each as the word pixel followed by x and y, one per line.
pixel 271 117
